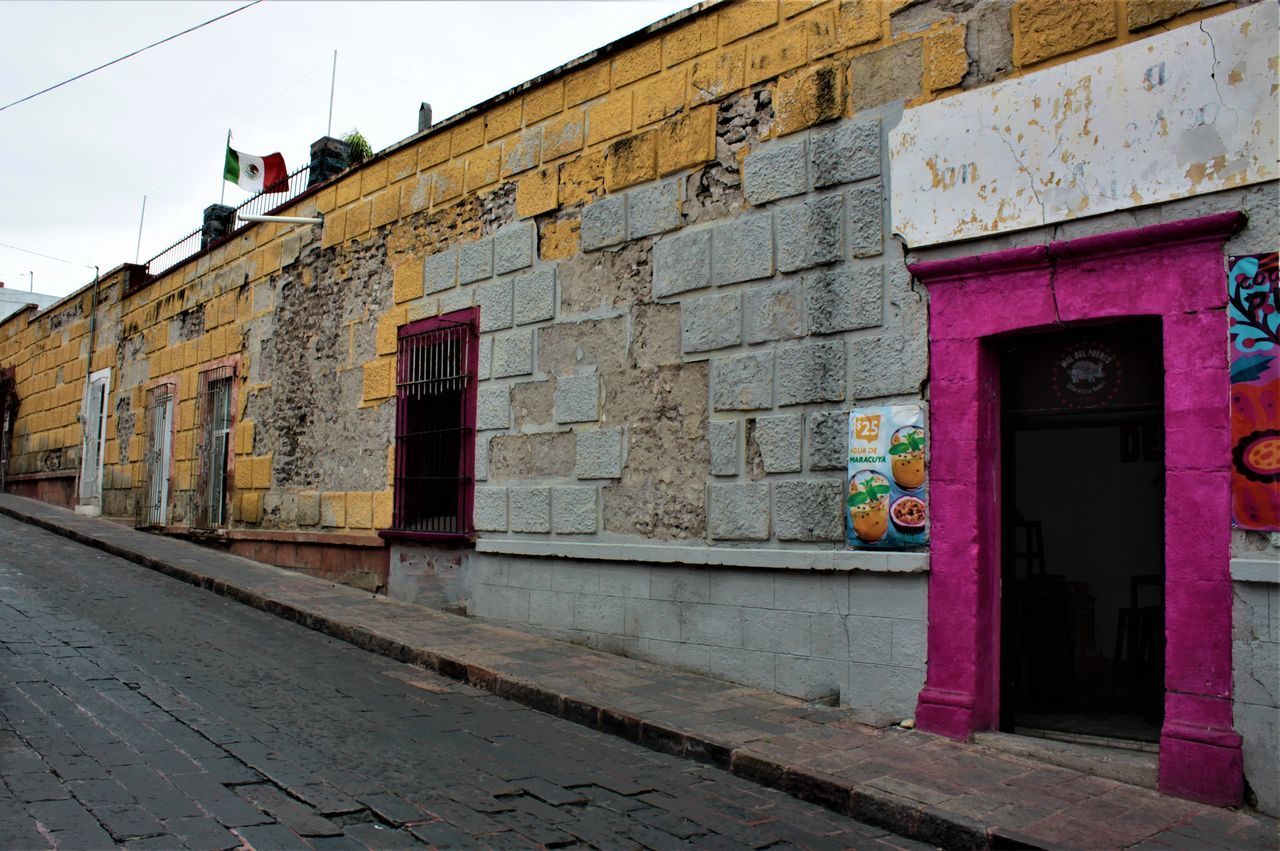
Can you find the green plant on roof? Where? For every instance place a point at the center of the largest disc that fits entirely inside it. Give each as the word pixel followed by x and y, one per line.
pixel 360 150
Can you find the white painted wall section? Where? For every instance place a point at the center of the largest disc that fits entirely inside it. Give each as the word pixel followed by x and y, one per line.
pixel 1183 113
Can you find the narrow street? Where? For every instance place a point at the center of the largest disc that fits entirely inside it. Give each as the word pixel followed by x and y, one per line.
pixel 140 711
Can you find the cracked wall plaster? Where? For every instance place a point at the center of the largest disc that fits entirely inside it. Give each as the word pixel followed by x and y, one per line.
pixel 1181 113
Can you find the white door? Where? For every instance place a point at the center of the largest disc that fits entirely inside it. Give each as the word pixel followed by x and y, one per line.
pixel 95 436
pixel 160 439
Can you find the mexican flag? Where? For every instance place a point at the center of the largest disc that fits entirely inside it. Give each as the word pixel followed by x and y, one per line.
pixel 256 174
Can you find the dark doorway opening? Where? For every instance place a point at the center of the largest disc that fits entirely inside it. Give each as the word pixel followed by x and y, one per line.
pixel 1083 533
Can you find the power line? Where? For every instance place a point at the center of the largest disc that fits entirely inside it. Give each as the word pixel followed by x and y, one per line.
pixel 46 256
pixel 129 55
pixel 405 83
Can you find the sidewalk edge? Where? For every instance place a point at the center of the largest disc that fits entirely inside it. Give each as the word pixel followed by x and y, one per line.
pixel 901 815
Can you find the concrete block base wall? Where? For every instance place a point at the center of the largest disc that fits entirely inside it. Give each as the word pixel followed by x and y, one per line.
pixel 852 636
pixel 1256 655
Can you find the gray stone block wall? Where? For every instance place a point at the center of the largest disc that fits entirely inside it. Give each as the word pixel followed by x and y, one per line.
pixel 775 312
pixel 738 511
pixel 604 223
pixel 440 271
pixel 490 509
pixel 742 249
pixel 653 208
pixel 493 407
pixel 777 439
pixel 475 260
pixel 1255 655
pixel 577 399
pixel 494 300
pixel 808 635
pixel 809 510
pixel 810 233
pixel 799 315
pixel 681 263
pixel 711 322
pixel 513 247
pixel 866 219
pixel 457 299
pixel 723 437
pixel 828 320
pixel 513 353
pixel 845 153
pixel 530 509
pixel 574 510
pixel 599 453
pixel 775 171
pixel 742 382
pixel 844 298
pixel 535 296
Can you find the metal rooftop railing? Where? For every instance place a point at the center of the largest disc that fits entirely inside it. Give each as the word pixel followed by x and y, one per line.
pixel 261 204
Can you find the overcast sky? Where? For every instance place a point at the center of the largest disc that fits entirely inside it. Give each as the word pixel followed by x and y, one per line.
pixel 75 163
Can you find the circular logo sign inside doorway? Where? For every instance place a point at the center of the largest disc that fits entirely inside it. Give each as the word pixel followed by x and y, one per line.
pixel 1086 375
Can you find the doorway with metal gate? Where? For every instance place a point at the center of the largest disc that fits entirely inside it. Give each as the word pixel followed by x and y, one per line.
pixel 1082 602
pixel 93 446
pixel 153 506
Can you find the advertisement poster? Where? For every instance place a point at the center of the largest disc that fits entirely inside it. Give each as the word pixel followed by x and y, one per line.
pixel 886 502
pixel 1253 310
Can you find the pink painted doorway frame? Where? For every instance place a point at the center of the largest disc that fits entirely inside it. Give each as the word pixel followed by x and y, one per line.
pixel 1174 271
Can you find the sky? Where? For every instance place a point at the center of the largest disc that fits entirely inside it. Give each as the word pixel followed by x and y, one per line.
pixel 75 163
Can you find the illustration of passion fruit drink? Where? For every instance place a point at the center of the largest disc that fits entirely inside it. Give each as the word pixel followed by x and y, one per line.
pixel 869 505
pixel 906 457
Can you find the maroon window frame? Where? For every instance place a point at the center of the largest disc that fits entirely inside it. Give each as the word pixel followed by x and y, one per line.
pixel 437 363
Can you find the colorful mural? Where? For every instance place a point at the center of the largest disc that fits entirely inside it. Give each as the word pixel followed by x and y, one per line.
pixel 1253 310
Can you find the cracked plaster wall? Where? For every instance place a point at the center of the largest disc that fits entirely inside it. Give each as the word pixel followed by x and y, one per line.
pixel 1181 113
pixel 1255 650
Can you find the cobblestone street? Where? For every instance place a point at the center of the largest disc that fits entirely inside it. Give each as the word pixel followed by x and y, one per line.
pixel 141 711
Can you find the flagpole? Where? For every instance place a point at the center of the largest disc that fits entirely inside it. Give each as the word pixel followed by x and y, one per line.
pixel 223 197
pixel 137 252
pixel 333 78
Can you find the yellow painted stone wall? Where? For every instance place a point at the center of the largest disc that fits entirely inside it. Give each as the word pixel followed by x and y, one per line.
pixel 648 110
pixel 623 118
pixel 48 352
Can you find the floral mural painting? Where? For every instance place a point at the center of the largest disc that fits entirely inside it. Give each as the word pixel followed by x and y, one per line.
pixel 1253 309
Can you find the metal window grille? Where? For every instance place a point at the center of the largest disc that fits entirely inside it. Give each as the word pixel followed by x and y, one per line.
pixel 435 426
pixel 153 501
pixel 213 418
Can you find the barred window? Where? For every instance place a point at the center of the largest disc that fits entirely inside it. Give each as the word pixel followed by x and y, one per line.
pixel 436 368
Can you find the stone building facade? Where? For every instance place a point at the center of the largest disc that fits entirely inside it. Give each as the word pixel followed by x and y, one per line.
pixel 689 255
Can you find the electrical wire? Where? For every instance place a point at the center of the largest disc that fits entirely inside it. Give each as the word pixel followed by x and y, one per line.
pixel 129 55
pixel 46 256
pixel 403 82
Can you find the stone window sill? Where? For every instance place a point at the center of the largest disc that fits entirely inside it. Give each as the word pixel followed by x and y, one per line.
pixel 1255 570
pixel 692 554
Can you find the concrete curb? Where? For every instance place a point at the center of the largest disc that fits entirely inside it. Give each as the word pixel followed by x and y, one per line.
pixel 903 816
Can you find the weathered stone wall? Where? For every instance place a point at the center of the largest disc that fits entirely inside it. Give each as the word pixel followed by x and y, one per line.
pixel 1255 654
pixel 690 103
pixel 49 352
pixel 1255 651
pixel 680 252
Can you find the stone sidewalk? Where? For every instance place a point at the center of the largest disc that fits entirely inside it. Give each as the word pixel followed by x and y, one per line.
pixel 922 786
